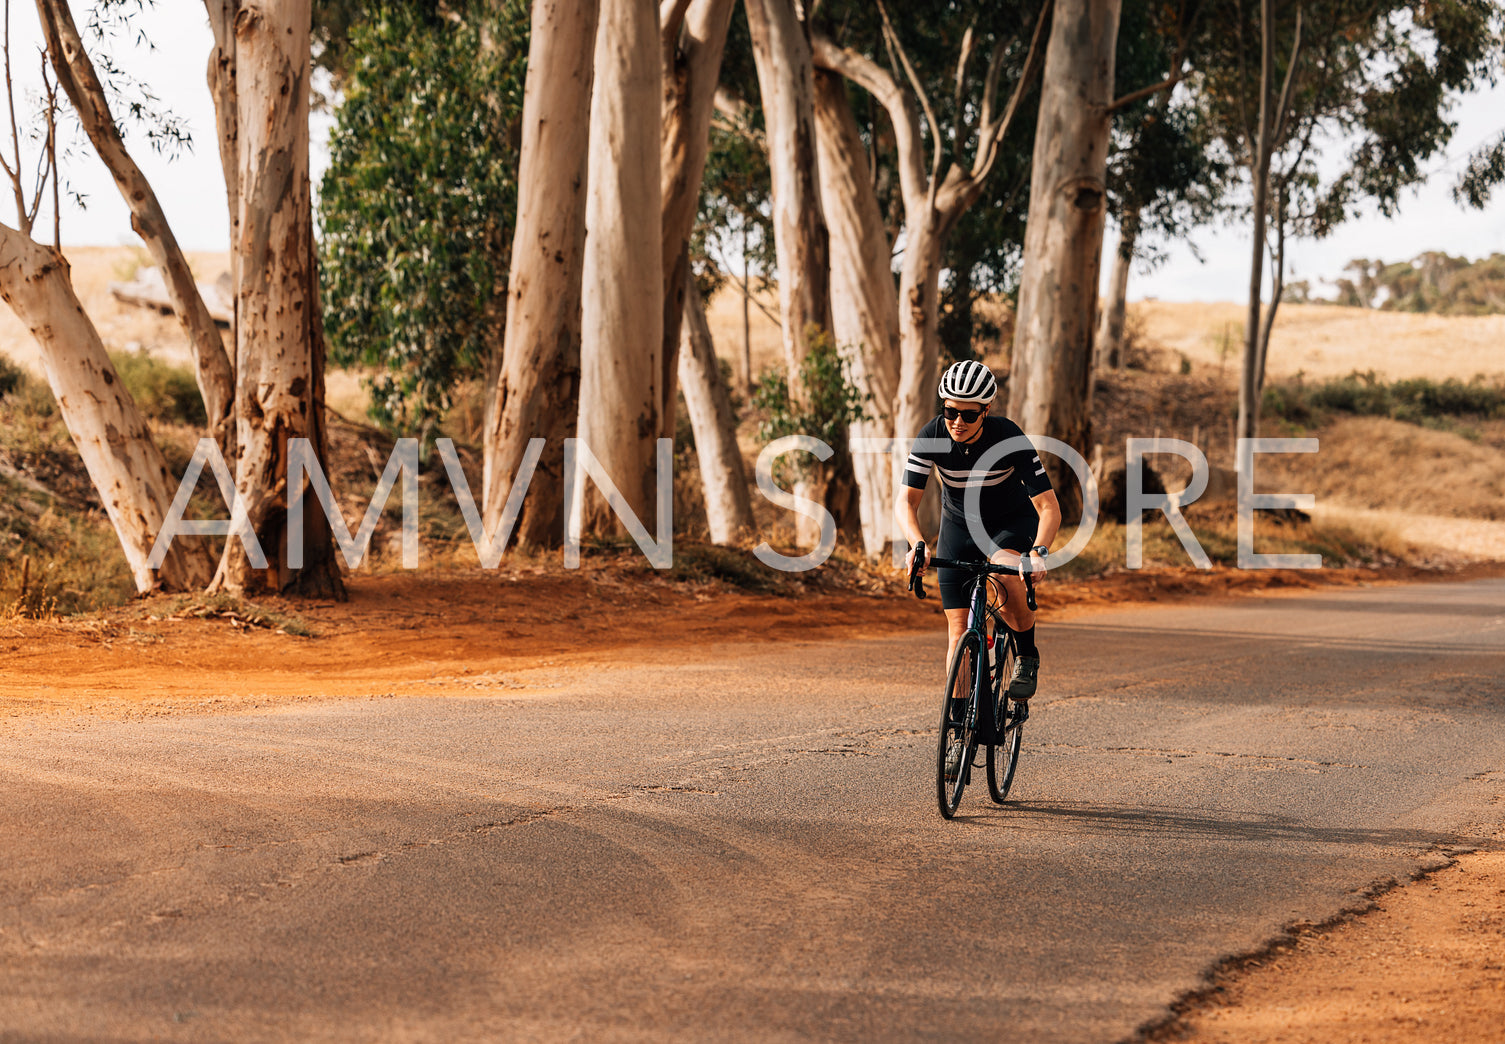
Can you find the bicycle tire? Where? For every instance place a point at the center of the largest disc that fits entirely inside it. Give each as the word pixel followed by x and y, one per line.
pixel 1003 752
pixel 955 732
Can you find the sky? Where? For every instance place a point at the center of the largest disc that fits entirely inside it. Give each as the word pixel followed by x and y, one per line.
pixel 191 187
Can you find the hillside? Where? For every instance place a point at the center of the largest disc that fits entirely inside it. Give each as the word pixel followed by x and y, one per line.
pixel 1329 341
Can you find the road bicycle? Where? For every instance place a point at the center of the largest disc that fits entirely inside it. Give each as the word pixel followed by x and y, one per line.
pixel 982 715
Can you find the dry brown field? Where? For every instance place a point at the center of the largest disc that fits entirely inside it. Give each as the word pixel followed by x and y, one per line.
pixel 1326 341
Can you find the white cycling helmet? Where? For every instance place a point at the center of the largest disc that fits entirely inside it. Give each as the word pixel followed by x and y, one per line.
pixel 968 381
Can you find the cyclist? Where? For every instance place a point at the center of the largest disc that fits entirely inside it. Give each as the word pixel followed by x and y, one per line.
pixel 1018 507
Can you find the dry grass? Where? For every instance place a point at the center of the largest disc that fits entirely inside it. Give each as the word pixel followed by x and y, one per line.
pixel 1327 341
pixel 122 327
pixel 1382 464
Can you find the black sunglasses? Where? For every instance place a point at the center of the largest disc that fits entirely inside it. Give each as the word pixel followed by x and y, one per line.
pixel 967 416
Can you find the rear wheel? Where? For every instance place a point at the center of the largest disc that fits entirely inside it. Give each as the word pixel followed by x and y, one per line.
pixel 958 738
pixel 1003 752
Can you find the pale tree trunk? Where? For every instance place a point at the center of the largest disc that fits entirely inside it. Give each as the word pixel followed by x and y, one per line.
pixel 1248 386
pixel 692 37
pixel 747 374
pixel 1109 345
pixel 781 53
pixel 1271 130
pixel 622 285
pixel 728 507
pixel 221 77
pixel 864 308
pixel 75 72
pixel 1051 381
pixel 1276 292
pixel 919 320
pixel 124 464
pixel 539 387
pixel 278 346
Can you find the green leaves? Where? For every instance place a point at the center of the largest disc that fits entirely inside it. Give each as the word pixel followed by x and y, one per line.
pixel 833 400
pixel 417 208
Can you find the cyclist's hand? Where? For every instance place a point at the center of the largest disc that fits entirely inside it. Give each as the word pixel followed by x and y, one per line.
pixel 1036 562
pixel 909 562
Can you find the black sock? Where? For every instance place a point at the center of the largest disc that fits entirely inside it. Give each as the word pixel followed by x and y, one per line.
pixel 1025 643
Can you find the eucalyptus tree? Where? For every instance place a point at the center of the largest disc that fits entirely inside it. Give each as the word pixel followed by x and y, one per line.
pixel 1165 173
pixel 622 283
pixel 79 79
pixel 1376 80
pixel 124 464
pixel 279 342
pixel 946 123
pixel 538 390
pixel 938 188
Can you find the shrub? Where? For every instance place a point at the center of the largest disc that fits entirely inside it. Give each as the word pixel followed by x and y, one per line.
pixel 834 401
pixel 11 376
pixel 1418 400
pixel 162 391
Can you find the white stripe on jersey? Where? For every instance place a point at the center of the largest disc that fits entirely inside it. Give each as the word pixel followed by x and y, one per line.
pixel 965 473
pixel 954 484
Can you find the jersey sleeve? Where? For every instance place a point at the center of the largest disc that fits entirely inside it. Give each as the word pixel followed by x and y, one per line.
pixel 1030 469
pixel 921 458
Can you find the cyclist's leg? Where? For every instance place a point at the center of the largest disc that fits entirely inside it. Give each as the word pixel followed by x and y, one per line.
pixel 1016 611
pixel 956 626
pixel 1017 614
pixel 956 588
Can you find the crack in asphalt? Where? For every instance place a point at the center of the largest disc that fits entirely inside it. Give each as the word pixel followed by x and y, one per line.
pixel 1177 753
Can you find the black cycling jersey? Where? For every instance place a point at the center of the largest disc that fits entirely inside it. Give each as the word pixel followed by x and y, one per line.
pixel 1006 484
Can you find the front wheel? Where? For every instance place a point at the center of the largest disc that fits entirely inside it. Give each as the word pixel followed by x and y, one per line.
pixel 1003 752
pixel 958 738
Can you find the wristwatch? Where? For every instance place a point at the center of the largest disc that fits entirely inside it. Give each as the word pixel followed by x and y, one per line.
pixel 1042 549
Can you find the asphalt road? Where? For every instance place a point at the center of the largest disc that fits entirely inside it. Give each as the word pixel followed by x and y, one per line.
pixel 746 846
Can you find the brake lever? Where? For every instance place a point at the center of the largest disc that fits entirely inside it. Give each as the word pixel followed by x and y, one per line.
pixel 916 576
pixel 1029 586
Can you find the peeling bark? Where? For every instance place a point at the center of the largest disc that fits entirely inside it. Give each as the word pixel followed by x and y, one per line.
pixel 622 283
pixel 124 464
pixel 76 75
pixel 728 506
pixel 540 379
pixel 278 346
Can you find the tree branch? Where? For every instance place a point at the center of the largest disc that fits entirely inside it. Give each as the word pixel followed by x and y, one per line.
pixel 15 138
pixel 736 115
pixel 960 130
pixel 914 80
pixel 1183 33
pixel 1285 91
pixel 1144 92
pixel 872 78
pixel 76 75
pixel 990 137
pixel 671 17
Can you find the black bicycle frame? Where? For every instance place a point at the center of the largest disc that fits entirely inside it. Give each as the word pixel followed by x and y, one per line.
pixel 982 710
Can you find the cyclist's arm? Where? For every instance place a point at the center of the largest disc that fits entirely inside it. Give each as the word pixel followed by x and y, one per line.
pixel 907 507
pixel 1050 517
